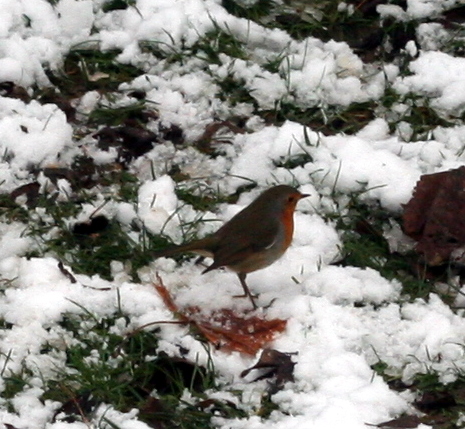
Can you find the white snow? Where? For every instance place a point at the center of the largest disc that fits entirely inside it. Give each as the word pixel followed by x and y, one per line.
pixel 335 341
pixel 440 76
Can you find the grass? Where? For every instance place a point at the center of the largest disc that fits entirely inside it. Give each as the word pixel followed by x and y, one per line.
pixel 87 68
pixel 328 120
pixel 364 245
pixel 105 367
pixel 256 11
pixel 441 404
pixel 200 196
pixel 114 116
pixel 126 370
pixel 216 42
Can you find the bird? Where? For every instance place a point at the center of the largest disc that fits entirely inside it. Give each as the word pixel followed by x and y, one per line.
pixel 253 239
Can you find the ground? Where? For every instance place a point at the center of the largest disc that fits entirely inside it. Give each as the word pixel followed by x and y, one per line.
pixel 130 125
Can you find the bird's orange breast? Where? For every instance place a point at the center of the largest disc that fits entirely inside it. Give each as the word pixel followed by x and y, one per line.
pixel 288 224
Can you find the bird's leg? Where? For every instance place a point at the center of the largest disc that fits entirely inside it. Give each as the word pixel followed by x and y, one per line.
pixel 246 290
pixel 200 260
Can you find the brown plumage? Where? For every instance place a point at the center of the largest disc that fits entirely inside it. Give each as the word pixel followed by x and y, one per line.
pixel 253 239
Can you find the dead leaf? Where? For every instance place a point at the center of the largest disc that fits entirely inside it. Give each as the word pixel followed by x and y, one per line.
pixel 94 226
pixel 66 273
pixel 8 426
pixel 435 215
pixel 10 89
pixel 133 141
pixel 211 135
pixel 435 401
pixel 173 133
pixel 403 422
pixel 453 18
pixel 61 101
pixel 153 412
pixel 275 363
pixel 166 297
pixel 225 329
pixel 138 94
pixel 231 332
pixel 79 407
pixel 80 175
pixel 31 190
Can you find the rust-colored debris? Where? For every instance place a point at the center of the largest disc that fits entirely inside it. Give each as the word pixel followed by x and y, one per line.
pixel 224 328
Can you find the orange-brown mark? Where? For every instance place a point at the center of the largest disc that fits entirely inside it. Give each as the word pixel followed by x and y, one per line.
pixel 288 218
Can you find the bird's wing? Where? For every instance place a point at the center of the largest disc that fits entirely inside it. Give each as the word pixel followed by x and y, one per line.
pixel 237 243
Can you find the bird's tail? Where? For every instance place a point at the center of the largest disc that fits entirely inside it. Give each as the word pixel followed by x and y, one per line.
pixel 202 247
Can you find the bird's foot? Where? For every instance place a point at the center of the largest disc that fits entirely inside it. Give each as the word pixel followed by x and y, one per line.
pixel 244 295
pixel 250 296
pixel 269 304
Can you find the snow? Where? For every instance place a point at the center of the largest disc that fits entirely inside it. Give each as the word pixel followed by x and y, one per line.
pixel 335 340
pixel 31 134
pixel 440 76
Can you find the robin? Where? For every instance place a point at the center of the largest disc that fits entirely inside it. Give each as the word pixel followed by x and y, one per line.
pixel 253 239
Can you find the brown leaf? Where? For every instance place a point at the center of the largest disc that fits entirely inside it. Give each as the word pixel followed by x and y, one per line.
pixel 8 426
pixel 153 412
pixel 10 89
pixel 31 190
pixel 452 17
pixel 95 225
pixel 173 133
pixel 206 141
pixel 80 405
pixel 58 173
pixel 435 401
pixel 80 175
pixel 134 141
pixel 435 215
pixel 403 422
pixel 231 332
pixel 166 297
pixel 277 364
pixel 225 329
pixel 62 102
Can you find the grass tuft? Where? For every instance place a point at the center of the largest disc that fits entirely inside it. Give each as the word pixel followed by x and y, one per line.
pixel 105 366
pixel 86 68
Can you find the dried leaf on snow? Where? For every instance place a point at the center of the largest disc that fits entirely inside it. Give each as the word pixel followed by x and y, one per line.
pixel 274 363
pixel 30 190
pixel 224 328
pixel 403 422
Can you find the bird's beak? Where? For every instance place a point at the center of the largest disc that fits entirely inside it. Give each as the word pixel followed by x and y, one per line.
pixel 304 196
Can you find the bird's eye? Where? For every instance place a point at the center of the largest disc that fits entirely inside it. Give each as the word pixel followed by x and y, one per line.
pixel 291 199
